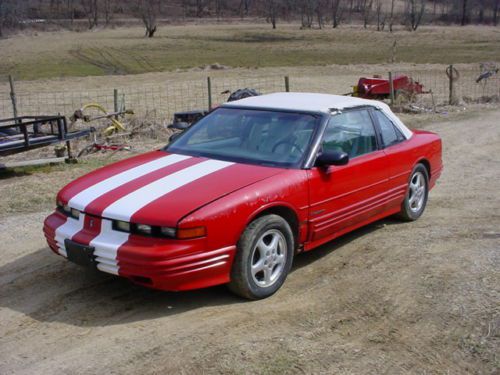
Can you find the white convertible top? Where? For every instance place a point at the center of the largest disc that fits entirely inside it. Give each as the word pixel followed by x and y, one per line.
pixel 326 103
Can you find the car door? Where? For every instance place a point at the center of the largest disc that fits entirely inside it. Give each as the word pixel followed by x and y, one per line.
pixel 399 157
pixel 342 197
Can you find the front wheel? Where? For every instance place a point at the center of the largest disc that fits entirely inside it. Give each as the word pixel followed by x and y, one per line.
pixel 415 200
pixel 263 259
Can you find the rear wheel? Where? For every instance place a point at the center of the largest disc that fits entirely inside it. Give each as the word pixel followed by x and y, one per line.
pixel 415 200
pixel 263 259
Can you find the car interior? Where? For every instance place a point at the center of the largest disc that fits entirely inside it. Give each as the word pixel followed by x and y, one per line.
pixel 351 132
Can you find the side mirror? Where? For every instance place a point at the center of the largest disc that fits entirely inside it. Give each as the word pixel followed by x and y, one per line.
pixel 327 158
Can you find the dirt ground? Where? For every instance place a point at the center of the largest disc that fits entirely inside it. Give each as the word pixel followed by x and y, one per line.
pixel 419 298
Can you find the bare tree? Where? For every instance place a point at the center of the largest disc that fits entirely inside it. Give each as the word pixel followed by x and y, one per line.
pixel 380 15
pixel 147 10
pixel 496 7
pixel 2 16
pixel 272 11
pixel 11 11
pixel 306 13
pixel 391 16
pixel 319 8
pixel 464 19
pixel 220 5
pixel 366 10
pixel 480 14
pixel 91 9
pixel 243 8
pixel 414 12
pixel 70 10
pixel 337 12
pixel 108 11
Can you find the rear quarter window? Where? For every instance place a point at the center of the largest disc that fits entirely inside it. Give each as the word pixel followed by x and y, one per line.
pixel 389 133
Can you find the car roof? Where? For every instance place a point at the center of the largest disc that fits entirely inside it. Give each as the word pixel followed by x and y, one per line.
pixel 301 101
pixel 312 102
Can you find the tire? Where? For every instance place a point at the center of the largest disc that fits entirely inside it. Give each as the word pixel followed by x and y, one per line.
pixel 268 245
pixel 413 205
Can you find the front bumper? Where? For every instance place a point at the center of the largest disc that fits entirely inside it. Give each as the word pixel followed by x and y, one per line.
pixel 154 262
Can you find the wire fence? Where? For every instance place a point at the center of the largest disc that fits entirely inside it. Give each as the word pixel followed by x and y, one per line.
pixel 465 88
pixel 162 100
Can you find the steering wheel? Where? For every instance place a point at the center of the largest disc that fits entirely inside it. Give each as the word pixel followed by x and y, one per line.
pixel 288 142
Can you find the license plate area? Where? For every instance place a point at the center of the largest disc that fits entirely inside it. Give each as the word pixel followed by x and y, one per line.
pixel 80 254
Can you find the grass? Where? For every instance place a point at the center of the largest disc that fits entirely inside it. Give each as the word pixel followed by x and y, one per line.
pixel 125 51
pixel 44 182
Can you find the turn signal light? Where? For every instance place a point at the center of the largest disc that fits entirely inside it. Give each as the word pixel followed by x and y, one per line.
pixel 185 233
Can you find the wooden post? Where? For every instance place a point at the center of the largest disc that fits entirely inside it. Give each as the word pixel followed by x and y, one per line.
pixel 287 84
pixel 115 101
pixel 13 96
pixel 450 76
pixel 209 88
pixel 391 88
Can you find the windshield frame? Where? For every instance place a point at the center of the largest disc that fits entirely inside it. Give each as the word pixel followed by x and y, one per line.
pixel 318 125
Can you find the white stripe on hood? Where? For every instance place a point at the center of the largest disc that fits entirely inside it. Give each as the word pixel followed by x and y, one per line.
pixel 125 207
pixel 83 198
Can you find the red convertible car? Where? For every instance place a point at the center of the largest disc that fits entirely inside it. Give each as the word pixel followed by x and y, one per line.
pixel 235 197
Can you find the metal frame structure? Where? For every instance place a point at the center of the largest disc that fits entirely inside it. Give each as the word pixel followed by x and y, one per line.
pixel 35 131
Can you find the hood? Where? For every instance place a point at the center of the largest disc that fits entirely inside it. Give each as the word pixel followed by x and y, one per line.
pixel 158 188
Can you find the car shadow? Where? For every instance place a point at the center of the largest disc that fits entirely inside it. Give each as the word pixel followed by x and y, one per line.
pixel 47 288
pixel 306 258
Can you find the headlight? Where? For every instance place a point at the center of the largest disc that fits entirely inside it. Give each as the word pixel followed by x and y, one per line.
pixel 67 210
pixel 121 225
pixel 156 231
pixel 168 232
pixel 74 213
pixel 144 229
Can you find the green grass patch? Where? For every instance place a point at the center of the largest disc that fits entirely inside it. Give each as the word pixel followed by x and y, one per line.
pixel 124 51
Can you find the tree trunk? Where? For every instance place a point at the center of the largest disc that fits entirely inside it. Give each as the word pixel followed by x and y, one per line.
pixel 495 12
pixel 391 17
pixel 464 13
pixel 351 5
pixel 151 32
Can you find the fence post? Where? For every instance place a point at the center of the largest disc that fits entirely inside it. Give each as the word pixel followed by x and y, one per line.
pixel 450 76
pixel 287 84
pixel 209 88
pixel 13 96
pixel 391 88
pixel 115 102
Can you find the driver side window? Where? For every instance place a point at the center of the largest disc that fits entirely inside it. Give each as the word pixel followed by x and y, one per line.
pixel 351 132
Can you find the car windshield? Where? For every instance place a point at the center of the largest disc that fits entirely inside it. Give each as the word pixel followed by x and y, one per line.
pixel 250 136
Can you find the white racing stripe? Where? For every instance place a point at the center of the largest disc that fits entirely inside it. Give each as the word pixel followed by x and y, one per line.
pixel 67 231
pixel 106 246
pixel 125 207
pixel 83 198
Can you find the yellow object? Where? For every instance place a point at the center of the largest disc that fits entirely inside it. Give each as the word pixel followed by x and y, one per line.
pixel 116 125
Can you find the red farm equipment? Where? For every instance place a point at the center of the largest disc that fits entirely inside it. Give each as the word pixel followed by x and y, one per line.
pixel 377 87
